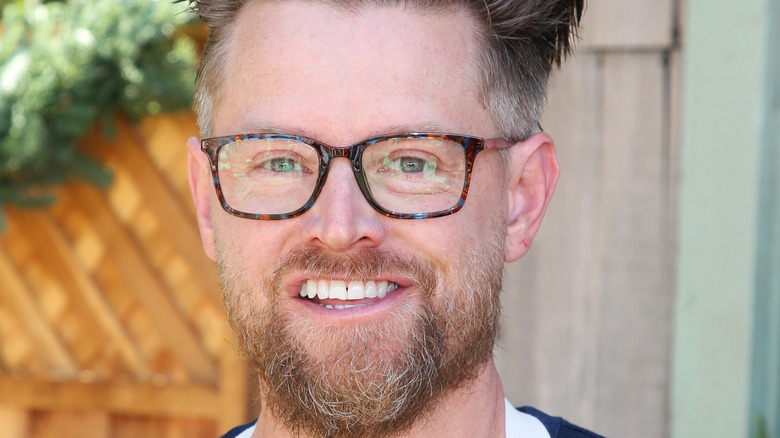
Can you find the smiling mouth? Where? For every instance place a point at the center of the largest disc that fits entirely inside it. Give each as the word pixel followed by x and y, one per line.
pixel 339 294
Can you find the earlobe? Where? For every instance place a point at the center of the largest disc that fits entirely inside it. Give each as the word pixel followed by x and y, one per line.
pixel 533 173
pixel 201 187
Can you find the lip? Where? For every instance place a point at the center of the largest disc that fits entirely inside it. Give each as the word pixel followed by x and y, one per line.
pixel 372 309
pixel 294 282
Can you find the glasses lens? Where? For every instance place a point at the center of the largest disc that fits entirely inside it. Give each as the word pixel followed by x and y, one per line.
pixel 415 175
pixel 267 176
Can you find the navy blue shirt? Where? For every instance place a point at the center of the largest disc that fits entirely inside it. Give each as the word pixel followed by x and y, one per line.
pixel 557 427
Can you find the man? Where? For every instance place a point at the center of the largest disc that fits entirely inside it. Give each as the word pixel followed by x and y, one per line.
pixel 342 138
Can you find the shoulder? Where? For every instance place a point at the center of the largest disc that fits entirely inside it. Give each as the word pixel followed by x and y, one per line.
pixel 243 431
pixel 557 426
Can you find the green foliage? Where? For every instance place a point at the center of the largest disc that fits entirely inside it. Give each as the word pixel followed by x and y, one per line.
pixel 760 429
pixel 64 65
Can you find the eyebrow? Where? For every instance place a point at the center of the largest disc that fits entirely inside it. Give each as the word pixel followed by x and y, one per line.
pixel 262 128
pixel 419 127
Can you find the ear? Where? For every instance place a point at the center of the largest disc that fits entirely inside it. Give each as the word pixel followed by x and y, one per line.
pixel 533 173
pixel 201 188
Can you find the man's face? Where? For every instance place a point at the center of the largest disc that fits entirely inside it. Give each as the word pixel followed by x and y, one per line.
pixel 339 77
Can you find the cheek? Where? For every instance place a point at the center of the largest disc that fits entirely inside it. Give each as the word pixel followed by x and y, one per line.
pixel 256 241
pixel 245 256
pixel 481 222
pixel 485 212
pixel 476 242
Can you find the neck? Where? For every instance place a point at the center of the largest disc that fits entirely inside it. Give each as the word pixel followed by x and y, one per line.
pixel 476 409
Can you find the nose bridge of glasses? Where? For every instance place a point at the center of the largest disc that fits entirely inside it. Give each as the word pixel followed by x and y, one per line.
pixel 329 152
pixel 352 153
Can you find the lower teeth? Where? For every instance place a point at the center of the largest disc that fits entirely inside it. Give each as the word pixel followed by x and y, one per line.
pixel 339 306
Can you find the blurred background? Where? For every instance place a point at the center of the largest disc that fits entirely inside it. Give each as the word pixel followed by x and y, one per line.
pixel 648 307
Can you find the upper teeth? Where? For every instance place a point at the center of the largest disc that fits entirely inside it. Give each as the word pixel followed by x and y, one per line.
pixel 340 290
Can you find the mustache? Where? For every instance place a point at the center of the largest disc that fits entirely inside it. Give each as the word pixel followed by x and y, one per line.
pixel 363 264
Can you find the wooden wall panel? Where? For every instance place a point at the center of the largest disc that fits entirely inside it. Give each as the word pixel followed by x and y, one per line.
pixel 637 286
pixel 15 422
pixel 86 424
pixel 587 325
pixel 21 299
pixel 133 427
pixel 629 25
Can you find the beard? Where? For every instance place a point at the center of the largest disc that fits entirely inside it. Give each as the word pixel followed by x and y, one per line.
pixel 376 378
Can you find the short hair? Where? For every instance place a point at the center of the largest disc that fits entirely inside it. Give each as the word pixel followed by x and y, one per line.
pixel 522 41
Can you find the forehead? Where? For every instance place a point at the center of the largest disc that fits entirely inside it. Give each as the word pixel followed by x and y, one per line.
pixel 341 75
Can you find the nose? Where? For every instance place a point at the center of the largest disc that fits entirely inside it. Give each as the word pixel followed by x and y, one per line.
pixel 341 219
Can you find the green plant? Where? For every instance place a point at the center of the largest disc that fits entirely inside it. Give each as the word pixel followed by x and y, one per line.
pixel 65 65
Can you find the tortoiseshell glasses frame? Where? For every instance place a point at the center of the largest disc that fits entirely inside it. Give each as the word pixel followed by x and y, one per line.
pixel 471 146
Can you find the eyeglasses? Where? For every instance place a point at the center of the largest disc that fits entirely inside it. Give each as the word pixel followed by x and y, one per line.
pixel 404 176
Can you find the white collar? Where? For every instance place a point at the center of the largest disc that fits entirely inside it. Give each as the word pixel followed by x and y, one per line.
pixel 521 425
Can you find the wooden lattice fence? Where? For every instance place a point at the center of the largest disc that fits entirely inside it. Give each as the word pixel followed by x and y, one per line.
pixel 111 320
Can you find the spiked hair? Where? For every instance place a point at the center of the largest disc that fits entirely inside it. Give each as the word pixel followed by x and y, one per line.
pixel 522 41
